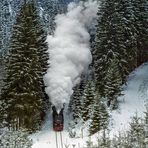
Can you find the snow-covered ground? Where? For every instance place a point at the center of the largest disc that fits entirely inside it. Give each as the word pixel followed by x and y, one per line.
pixel 134 99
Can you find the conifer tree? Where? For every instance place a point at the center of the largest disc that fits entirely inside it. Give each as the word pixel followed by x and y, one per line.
pixel 22 96
pixel 137 133
pixel 89 143
pixel 106 47
pixel 104 141
pixel 115 39
pixel 99 119
pixel 121 141
pixel 88 100
pixel 15 139
pixel 146 125
pixel 75 105
pixel 113 84
pixel 1 60
pixel 140 8
pixel 125 37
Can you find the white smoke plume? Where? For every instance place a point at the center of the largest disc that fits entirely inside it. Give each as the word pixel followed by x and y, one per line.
pixel 69 51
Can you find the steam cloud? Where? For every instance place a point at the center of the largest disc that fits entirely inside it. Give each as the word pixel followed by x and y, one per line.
pixel 69 51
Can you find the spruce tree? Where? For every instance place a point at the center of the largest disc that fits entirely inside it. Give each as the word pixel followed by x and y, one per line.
pixel 89 143
pixel 140 9
pixel 99 119
pixel 15 139
pixel 104 141
pixel 121 141
pixel 1 60
pixel 137 133
pixel 22 96
pixel 105 48
pixel 115 39
pixel 125 37
pixel 88 100
pixel 75 105
pixel 113 84
pixel 146 125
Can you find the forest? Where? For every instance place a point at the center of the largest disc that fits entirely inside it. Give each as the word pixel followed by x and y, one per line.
pixel 118 43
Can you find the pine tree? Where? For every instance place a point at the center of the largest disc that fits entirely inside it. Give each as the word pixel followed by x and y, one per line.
pixel 1 60
pixel 125 37
pixel 146 125
pixel 89 143
pixel 122 140
pixel 137 133
pixel 88 100
pixel 22 96
pixel 75 105
pixel 104 141
pixel 5 23
pixel 15 139
pixel 104 48
pixel 140 8
pixel 113 84
pixel 99 118
pixel 48 10
pixel 115 39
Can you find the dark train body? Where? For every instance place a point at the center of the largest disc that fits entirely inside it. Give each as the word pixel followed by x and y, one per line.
pixel 58 120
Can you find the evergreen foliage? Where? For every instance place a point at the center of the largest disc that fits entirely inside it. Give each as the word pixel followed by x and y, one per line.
pixel 8 12
pixel 113 84
pixel 48 9
pixel 75 105
pixel 104 141
pixel 1 60
pixel 141 20
pixel 104 48
pixel 114 37
pixel 15 139
pixel 22 96
pixel 99 118
pixel 89 143
pixel 122 35
pixel 137 133
pixel 88 100
pixel 135 137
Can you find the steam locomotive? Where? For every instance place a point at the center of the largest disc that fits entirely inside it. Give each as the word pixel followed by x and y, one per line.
pixel 58 119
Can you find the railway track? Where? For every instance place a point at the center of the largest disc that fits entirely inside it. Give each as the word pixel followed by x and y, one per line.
pixel 59 140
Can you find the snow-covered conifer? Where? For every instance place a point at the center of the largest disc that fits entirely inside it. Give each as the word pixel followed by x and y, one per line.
pixel 105 47
pixel 88 100
pixel 104 141
pixel 99 119
pixel 137 133
pixel 15 139
pixel 22 96
pixel 75 106
pixel 140 9
pixel 113 84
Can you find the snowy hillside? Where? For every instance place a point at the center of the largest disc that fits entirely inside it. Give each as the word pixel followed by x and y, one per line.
pixel 134 99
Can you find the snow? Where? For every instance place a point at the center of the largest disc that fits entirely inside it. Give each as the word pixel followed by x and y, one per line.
pixel 47 137
pixel 134 100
